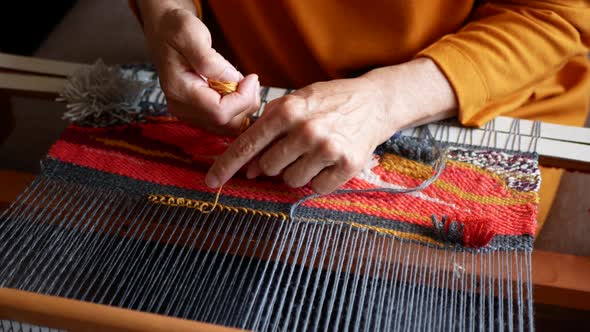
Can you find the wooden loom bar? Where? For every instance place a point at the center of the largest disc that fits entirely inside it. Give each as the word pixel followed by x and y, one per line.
pixel 561 279
pixel 29 84
pixel 38 65
pixel 73 315
pixel 550 130
pixel 558 279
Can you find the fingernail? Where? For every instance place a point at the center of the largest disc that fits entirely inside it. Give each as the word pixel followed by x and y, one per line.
pixel 211 181
pixel 230 74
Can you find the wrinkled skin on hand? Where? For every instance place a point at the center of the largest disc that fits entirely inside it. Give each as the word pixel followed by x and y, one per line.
pixel 181 47
pixel 323 134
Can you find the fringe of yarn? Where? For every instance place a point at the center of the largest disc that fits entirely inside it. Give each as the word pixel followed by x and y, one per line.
pixel 101 96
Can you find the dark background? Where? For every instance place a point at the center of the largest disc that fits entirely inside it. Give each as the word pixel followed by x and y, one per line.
pixel 25 24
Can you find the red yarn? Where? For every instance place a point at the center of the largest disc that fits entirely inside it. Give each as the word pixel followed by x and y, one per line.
pixel 174 154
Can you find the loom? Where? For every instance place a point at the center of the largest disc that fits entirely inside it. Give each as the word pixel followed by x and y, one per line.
pixel 119 226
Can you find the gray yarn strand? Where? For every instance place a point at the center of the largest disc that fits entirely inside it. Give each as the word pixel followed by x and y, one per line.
pixel 439 167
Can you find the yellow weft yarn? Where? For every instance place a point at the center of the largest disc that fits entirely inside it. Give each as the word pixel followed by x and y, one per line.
pixel 207 207
pixel 222 87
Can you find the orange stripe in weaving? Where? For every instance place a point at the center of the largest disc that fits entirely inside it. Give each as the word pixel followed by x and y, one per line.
pixel 171 153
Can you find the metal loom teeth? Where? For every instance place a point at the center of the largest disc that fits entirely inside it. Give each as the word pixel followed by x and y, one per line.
pixel 535 135
pixel 489 138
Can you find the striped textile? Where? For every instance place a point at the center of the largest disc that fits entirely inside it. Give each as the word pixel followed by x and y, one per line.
pixel 484 198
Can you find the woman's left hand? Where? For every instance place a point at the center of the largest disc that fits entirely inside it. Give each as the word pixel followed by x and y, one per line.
pixel 326 132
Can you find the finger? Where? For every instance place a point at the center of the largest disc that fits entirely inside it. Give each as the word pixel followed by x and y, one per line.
pixel 235 107
pixel 214 66
pixel 271 106
pixel 304 170
pixel 219 111
pixel 253 170
pixel 255 139
pixel 330 179
pixel 185 86
pixel 284 152
pixel 239 123
pixel 193 40
pixel 243 149
pixel 246 97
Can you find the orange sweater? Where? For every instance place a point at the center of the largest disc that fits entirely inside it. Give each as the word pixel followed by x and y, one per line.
pixel 517 58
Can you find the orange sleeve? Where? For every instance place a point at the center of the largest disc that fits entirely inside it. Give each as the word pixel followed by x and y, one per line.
pixel 135 9
pixel 509 46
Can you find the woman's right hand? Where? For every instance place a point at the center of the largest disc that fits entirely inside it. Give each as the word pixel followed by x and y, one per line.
pixel 180 45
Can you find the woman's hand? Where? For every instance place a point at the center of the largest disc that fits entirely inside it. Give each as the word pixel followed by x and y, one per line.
pixel 323 132
pixel 181 48
pixel 326 132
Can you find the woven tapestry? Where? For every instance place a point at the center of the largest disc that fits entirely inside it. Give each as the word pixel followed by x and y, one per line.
pixel 121 215
pixel 484 199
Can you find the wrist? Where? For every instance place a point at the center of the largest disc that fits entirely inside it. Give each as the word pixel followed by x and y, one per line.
pixel 415 93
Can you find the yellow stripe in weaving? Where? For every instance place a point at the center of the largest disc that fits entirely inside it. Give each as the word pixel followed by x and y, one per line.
pixel 374 208
pixel 481 198
pixel 207 207
pixel 139 149
pixel 413 169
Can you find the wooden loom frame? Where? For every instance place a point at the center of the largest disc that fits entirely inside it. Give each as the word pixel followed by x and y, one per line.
pixel 558 279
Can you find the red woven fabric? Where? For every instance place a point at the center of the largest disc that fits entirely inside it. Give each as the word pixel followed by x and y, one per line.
pixel 171 153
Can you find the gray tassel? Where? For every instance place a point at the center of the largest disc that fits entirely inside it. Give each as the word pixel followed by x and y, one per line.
pixel 101 96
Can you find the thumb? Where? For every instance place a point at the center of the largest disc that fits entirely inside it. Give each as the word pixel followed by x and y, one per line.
pixel 212 65
pixel 193 42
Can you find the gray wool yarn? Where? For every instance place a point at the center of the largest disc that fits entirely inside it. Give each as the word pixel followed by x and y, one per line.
pixel 438 155
pixel 101 96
